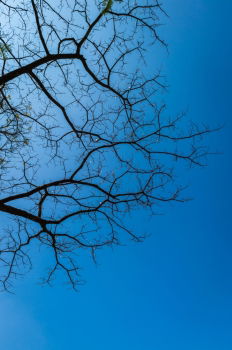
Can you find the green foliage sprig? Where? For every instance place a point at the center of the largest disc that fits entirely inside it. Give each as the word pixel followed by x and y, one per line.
pixel 3 51
pixel 108 5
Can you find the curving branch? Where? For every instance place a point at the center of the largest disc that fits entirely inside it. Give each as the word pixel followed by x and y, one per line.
pixel 84 136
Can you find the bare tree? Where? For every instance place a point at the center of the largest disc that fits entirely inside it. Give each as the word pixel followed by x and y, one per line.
pixel 84 138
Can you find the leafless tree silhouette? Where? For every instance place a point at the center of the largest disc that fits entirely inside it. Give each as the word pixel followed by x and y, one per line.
pixel 83 138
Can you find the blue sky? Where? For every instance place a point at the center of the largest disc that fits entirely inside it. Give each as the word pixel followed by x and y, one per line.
pixel 174 291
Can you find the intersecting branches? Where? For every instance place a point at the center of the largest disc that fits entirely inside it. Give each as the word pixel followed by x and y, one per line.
pixel 84 139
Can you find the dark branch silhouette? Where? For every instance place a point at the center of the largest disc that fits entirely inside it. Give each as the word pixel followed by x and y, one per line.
pixel 84 138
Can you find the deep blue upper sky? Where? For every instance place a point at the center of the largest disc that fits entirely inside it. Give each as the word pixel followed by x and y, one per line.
pixel 174 291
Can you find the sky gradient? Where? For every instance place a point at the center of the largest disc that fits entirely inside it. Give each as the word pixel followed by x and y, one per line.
pixel 174 291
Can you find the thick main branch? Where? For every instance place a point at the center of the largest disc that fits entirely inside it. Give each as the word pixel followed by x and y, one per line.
pixel 29 67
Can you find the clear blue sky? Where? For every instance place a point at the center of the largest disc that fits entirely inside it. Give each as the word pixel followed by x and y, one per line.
pixel 174 291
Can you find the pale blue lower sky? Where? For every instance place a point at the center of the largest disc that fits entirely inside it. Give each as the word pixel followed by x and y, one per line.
pixel 174 291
